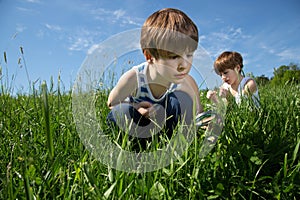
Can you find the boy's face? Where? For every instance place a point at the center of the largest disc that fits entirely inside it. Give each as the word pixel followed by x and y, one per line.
pixel 230 76
pixel 175 67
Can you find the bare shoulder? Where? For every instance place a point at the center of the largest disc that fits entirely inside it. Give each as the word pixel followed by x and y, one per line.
pixel 129 74
pixel 124 88
pixel 128 77
pixel 189 85
pixel 190 81
pixel 250 86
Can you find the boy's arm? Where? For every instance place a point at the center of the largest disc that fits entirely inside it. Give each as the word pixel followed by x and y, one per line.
pixel 125 87
pixel 250 87
pixel 190 86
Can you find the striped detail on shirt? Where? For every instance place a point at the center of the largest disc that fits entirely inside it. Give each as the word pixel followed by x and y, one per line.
pixel 143 91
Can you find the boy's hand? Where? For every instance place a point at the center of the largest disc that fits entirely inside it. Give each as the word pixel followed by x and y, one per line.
pixel 212 95
pixel 223 92
pixel 145 108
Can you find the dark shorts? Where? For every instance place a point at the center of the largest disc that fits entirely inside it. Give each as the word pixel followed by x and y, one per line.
pixel 176 107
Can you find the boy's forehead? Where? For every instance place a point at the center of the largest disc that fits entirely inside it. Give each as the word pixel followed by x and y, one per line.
pixel 170 39
pixel 184 52
pixel 178 48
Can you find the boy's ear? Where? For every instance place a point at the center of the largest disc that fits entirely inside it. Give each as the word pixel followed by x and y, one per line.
pixel 147 55
pixel 237 68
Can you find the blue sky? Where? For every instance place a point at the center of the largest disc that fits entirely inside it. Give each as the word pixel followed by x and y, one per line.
pixel 57 35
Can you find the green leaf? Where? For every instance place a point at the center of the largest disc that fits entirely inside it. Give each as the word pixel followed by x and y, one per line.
pixel 256 160
pixel 110 189
pixel 296 152
pixel 157 191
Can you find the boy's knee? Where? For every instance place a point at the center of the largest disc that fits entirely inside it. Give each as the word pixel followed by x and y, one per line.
pixel 185 104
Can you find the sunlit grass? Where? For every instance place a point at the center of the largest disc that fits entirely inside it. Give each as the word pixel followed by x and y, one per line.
pixel 256 157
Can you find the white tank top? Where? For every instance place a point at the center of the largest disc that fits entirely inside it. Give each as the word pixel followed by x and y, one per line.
pixel 143 92
pixel 239 94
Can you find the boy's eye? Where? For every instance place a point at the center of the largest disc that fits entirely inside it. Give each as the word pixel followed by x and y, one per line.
pixel 174 56
pixel 223 73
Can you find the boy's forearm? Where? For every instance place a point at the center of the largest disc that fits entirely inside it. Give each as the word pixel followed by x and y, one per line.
pixel 111 104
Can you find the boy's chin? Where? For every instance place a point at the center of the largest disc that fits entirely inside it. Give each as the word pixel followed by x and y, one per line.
pixel 178 81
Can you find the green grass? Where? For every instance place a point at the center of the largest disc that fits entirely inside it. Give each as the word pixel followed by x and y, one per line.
pixel 256 157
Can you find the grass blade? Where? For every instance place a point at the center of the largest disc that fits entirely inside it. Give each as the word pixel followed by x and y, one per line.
pixel 295 152
pixel 47 120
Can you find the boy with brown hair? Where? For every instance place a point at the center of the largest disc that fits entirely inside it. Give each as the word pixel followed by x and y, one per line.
pixel 229 65
pixel 168 40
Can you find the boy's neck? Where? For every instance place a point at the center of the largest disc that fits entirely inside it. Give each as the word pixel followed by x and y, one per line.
pixel 158 84
pixel 157 90
pixel 154 77
pixel 236 84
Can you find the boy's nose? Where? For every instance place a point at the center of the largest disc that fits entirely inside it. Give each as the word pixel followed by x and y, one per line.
pixel 180 68
pixel 182 63
pixel 223 77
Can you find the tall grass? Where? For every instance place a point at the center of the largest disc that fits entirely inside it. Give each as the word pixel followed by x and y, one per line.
pixel 256 157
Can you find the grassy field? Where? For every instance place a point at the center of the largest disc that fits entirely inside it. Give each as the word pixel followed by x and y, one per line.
pixel 256 156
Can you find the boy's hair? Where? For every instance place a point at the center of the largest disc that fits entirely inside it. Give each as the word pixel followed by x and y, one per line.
pixel 228 60
pixel 167 32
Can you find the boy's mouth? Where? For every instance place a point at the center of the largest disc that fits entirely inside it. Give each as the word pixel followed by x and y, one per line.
pixel 180 76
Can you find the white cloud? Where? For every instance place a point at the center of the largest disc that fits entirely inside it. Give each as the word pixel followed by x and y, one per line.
pixel 115 16
pixel 20 28
pixel 289 55
pixel 27 10
pixel 53 27
pixel 126 41
pixel 202 37
pixel 93 48
pixel 119 13
pixel 219 20
pixel 132 22
pixel 267 48
pixel 227 38
pixel 79 44
pixel 236 32
pixel 81 39
pixel 230 33
pixel 33 1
